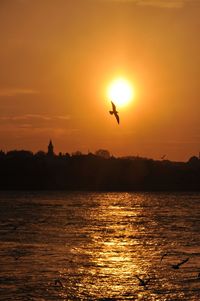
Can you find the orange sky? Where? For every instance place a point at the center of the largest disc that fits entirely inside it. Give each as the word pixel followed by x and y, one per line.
pixel 57 58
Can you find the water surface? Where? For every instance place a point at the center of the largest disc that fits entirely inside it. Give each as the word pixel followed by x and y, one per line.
pixel 91 246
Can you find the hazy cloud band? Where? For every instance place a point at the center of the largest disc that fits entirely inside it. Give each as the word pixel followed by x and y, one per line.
pixel 156 3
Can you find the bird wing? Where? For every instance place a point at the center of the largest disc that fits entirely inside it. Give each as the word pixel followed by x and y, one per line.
pixel 163 256
pixel 113 106
pixel 184 261
pixel 117 117
pixel 58 282
pixel 141 281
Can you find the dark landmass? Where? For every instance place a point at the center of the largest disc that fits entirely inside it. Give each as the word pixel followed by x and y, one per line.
pixel 23 170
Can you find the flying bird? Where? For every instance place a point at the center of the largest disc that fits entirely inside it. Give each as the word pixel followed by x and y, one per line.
pixel 114 111
pixel 58 283
pixel 142 281
pixel 176 266
pixel 163 256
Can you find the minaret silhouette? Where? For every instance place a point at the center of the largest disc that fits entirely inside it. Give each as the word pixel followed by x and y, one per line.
pixel 50 152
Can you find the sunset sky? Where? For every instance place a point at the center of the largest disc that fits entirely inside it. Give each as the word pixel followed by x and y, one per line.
pixel 58 57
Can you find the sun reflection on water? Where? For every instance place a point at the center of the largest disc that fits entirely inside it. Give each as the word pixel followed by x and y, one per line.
pixel 113 253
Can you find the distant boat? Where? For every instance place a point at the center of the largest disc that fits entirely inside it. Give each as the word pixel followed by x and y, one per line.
pixel 114 111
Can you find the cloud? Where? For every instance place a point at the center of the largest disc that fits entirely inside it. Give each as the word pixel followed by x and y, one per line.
pixel 33 118
pixel 162 3
pixel 31 123
pixel 19 91
pixel 156 3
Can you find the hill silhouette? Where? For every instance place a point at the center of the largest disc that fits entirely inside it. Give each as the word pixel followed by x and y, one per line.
pixel 23 170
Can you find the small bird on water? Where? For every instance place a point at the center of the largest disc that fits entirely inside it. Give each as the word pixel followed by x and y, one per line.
pixel 176 266
pixel 114 111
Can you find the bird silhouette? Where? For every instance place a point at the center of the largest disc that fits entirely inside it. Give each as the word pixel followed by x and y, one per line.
pixel 142 281
pixel 58 283
pixel 163 256
pixel 176 266
pixel 114 111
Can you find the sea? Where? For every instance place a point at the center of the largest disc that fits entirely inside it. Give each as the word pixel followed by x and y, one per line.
pixel 99 246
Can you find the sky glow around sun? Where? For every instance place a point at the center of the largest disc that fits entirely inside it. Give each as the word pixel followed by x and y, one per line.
pixel 120 91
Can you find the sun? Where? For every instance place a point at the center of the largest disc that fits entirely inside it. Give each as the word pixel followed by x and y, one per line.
pixel 121 92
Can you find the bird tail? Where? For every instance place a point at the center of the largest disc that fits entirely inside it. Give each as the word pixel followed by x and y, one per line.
pixel 111 112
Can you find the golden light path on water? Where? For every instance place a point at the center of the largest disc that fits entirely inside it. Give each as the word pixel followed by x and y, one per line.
pixel 115 253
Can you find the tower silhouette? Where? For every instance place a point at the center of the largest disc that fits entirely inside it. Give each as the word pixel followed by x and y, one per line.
pixel 50 152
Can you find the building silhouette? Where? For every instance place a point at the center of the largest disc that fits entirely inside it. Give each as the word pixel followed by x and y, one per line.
pixel 24 170
pixel 50 152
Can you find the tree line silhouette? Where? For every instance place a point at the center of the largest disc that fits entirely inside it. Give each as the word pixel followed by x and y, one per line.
pixel 23 170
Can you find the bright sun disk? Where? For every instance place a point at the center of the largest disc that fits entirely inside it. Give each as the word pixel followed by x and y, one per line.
pixel 120 92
